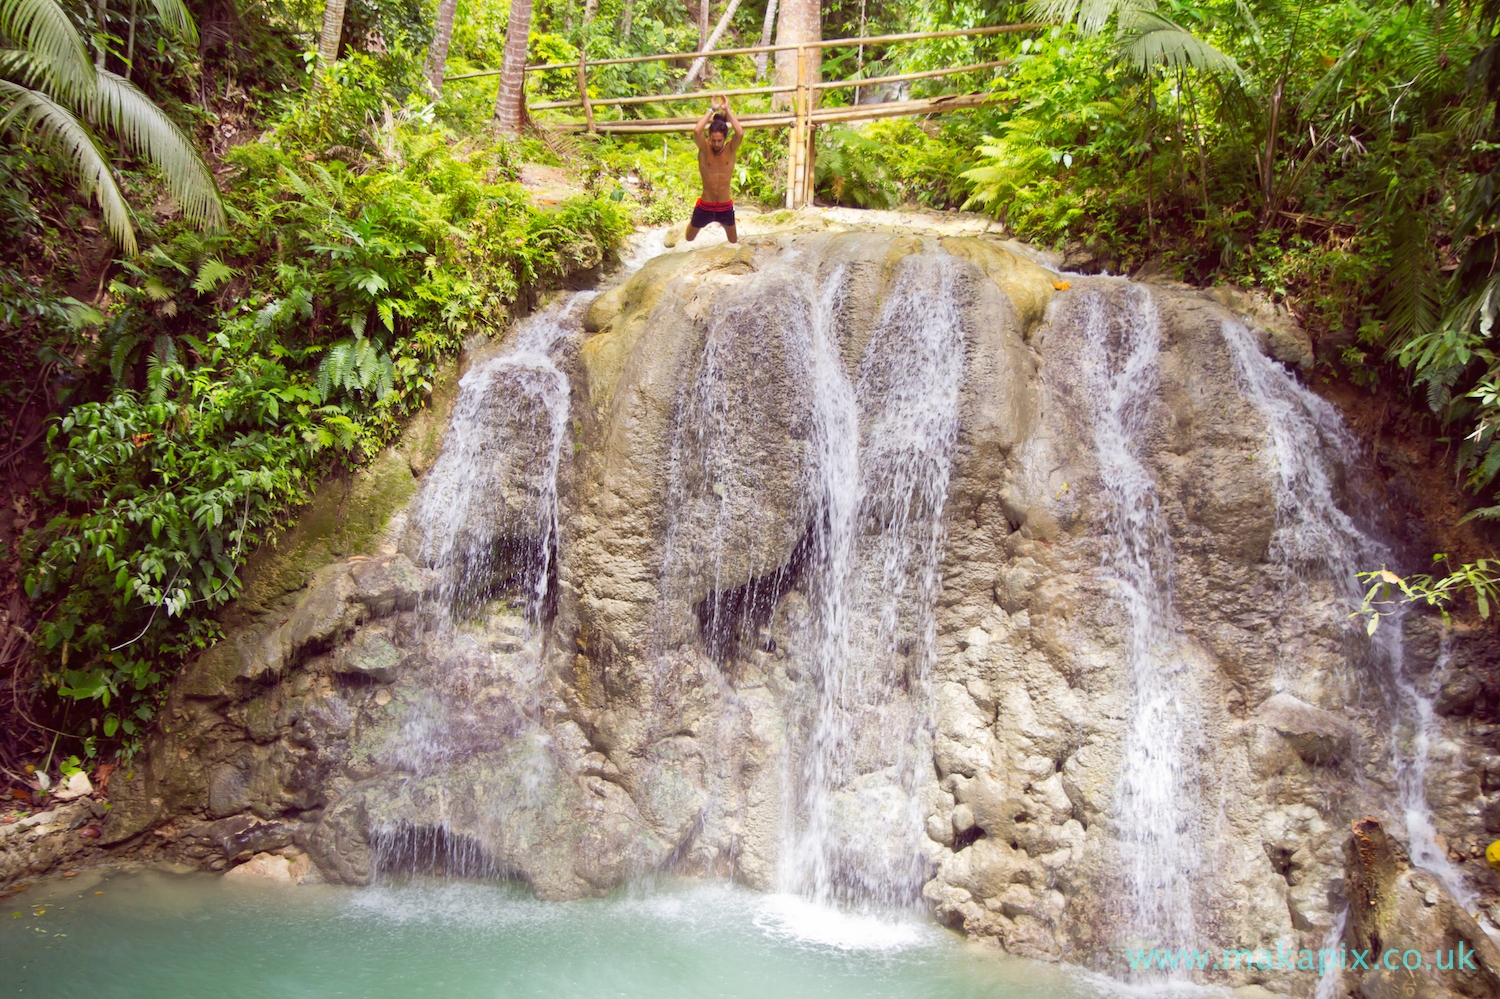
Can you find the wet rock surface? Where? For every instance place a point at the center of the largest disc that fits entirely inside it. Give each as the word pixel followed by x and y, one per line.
pixel 659 717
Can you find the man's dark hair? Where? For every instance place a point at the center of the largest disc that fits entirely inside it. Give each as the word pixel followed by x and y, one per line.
pixel 720 124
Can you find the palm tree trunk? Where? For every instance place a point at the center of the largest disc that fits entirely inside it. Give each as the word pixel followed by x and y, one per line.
pixel 799 22
pixel 704 7
pixel 437 52
pixel 510 102
pixel 328 41
pixel 765 39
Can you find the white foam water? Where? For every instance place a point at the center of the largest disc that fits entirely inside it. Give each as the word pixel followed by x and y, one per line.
pixel 883 452
pixel 1307 440
pixel 797 919
pixel 1155 805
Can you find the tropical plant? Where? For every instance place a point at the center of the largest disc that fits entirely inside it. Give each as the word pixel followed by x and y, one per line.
pixel 1147 38
pixel 1388 591
pixel 53 94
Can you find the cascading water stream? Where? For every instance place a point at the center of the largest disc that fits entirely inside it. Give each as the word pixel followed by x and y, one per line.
pixel 481 493
pixel 836 493
pixel 872 495
pixel 489 505
pixel 1312 530
pixel 1154 811
pixel 879 498
pixel 486 523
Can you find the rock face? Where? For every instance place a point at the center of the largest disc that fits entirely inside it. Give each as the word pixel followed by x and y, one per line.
pixel 873 566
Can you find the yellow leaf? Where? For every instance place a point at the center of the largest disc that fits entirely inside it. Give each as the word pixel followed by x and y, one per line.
pixel 1374 623
pixel 1390 577
pixel 1062 285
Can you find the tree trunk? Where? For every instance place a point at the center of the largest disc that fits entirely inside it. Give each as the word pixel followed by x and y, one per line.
pixel 510 103
pixel 765 39
pixel 713 41
pixel 99 45
pixel 625 11
pixel 130 44
pixel 799 22
pixel 860 64
pixel 704 7
pixel 437 52
pixel 328 41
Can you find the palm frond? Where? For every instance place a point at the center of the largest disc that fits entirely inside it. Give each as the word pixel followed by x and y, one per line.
pixel 174 14
pixel 53 124
pixel 146 131
pixel 1091 15
pixel 57 59
pixel 1149 39
pixel 1410 291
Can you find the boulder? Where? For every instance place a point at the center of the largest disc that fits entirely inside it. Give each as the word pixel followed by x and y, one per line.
pixel 1318 736
pixel 269 869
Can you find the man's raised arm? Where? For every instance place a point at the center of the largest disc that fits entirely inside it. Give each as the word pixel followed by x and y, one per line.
pixel 699 138
pixel 734 123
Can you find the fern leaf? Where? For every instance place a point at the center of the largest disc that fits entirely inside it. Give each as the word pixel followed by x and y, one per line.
pixel 212 273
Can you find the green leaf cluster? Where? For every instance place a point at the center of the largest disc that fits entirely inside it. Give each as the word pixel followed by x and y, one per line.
pixel 235 368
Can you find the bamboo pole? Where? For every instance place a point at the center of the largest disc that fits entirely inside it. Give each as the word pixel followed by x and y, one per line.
pixel 864 112
pixel 749 91
pixel 796 147
pixel 657 98
pixel 583 91
pixel 923 75
pixel 827 43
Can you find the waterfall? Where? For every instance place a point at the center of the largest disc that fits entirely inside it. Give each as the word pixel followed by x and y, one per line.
pixel 883 453
pixel 488 511
pixel 1328 982
pixel 1312 530
pixel 871 500
pixel 807 862
pixel 1154 811
pixel 488 508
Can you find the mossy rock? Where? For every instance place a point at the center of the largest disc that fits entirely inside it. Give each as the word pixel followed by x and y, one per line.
pixel 346 516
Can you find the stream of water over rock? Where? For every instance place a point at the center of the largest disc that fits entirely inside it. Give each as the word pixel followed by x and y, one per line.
pixel 880 428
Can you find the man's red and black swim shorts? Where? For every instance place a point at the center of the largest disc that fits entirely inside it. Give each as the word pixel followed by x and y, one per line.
pixel 705 212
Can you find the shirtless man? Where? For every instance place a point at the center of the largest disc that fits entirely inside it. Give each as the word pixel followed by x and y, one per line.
pixel 716 151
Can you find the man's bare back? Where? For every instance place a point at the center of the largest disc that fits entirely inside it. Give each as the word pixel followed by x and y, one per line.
pixel 716 153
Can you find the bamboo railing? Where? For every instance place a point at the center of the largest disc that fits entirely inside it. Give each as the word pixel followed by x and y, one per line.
pixel 804 116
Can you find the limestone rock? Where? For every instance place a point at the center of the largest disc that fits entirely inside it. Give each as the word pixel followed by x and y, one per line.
pixel 1397 911
pixel 371 654
pixel 38 843
pixel 1318 736
pixel 269 868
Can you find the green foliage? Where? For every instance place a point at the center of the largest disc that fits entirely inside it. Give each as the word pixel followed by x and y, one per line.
pixel 234 368
pixel 1387 590
pixel 51 92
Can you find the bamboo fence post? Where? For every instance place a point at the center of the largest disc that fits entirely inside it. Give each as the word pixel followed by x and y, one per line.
pixel 809 163
pixel 809 94
pixel 583 91
pixel 796 146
